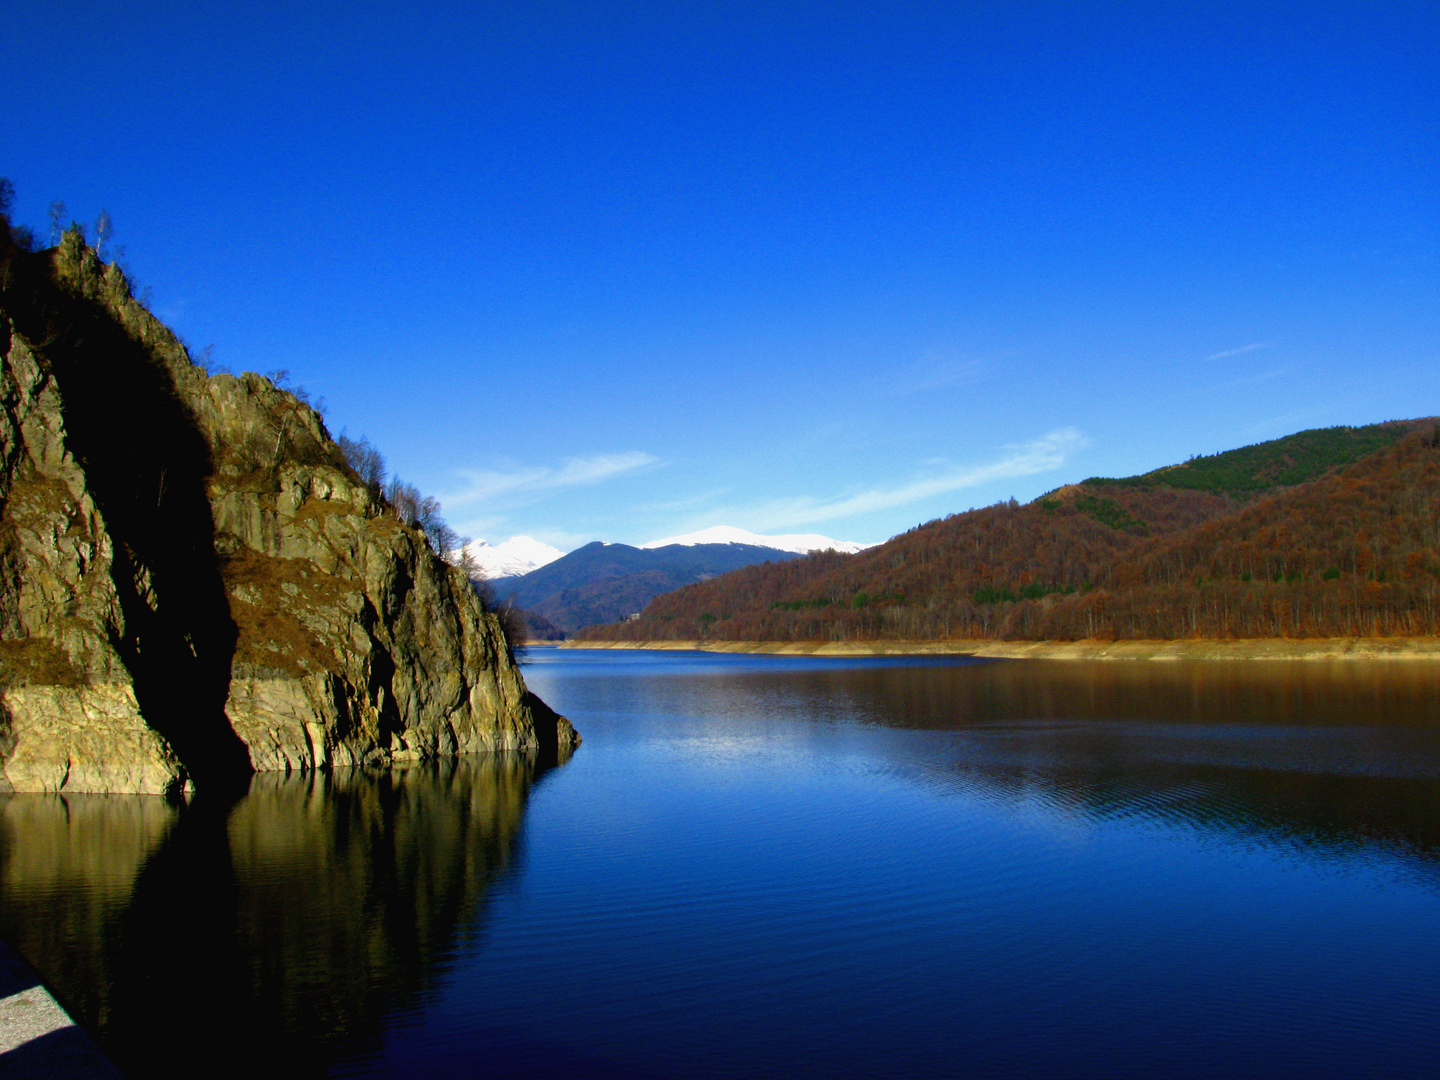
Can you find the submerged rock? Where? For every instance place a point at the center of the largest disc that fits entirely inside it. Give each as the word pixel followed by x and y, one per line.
pixel 193 582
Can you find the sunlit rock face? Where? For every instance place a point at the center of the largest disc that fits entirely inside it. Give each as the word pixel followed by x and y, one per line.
pixel 194 584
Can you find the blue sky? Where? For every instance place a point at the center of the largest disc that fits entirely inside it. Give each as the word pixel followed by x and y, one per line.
pixel 621 271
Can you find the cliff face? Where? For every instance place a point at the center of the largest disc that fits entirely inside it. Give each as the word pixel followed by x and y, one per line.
pixel 193 583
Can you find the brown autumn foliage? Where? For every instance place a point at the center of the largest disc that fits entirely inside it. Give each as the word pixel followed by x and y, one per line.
pixel 1356 552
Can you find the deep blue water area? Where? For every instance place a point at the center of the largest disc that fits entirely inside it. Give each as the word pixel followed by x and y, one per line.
pixel 769 866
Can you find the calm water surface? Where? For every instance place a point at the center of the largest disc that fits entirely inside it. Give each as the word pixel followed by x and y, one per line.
pixel 764 866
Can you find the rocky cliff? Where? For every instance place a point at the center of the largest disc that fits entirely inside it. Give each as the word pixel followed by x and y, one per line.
pixel 193 582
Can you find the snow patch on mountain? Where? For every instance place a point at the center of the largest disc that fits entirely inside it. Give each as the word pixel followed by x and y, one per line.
pixel 728 534
pixel 516 556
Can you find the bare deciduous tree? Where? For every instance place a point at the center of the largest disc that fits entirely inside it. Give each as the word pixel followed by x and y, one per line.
pixel 423 512
pixel 104 229
pixel 368 463
pixel 21 235
pixel 57 219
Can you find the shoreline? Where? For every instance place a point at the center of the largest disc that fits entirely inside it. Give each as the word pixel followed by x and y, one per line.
pixel 1184 649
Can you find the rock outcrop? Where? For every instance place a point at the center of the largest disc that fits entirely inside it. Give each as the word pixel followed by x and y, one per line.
pixel 193 582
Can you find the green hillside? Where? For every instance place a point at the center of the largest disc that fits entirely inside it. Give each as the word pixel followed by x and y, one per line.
pixel 1295 459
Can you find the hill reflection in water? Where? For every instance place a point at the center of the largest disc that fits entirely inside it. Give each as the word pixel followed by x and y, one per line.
pixel 769 866
pixel 1328 757
pixel 283 930
pixel 856 868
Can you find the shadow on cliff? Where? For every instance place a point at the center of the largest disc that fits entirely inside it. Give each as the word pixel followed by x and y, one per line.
pixel 547 732
pixel 284 929
pixel 146 464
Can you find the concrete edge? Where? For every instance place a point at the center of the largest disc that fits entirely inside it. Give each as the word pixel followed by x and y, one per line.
pixel 38 1036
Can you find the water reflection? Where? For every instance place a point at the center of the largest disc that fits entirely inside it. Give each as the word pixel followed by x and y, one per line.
pixel 1320 759
pixel 1316 759
pixel 1227 692
pixel 283 930
pixel 1169 779
pixel 794 868
pixel 954 693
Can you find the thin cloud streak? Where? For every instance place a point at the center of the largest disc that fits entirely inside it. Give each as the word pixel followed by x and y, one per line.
pixel 934 374
pixel 573 472
pixel 1041 455
pixel 1236 352
pixel 1264 376
pixel 686 503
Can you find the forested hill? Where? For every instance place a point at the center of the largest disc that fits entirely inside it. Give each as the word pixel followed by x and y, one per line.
pixel 1253 470
pixel 1221 546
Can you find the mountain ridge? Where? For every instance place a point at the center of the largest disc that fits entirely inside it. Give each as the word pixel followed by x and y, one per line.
pixel 602 582
pixel 591 587
pixel 1084 560
pixel 798 544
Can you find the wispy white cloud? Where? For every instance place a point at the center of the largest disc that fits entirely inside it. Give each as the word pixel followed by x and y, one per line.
pixel 1041 455
pixel 492 485
pixel 1264 376
pixel 1236 352
pixel 561 538
pixel 689 502
pixel 936 372
pixel 483 528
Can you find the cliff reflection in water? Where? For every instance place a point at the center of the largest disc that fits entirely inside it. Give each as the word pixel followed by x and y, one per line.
pixel 284 929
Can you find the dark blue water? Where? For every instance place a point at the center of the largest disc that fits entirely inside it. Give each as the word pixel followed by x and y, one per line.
pixel 760 866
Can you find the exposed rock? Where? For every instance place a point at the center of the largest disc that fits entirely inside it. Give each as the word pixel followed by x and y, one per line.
pixel 194 584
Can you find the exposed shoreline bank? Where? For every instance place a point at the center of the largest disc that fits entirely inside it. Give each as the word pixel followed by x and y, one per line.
pixel 1202 649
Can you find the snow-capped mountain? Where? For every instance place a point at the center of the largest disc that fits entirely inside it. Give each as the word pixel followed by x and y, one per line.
pixel 728 534
pixel 516 556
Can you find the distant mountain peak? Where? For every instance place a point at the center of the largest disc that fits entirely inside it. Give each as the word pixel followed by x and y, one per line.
pixel 729 534
pixel 516 556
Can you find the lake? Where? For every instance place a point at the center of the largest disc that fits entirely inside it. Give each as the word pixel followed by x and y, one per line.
pixel 792 866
